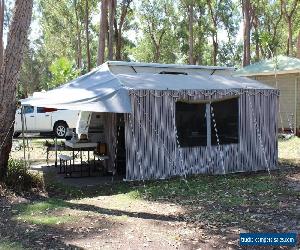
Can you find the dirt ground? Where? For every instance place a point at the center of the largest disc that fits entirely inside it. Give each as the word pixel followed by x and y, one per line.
pixel 203 212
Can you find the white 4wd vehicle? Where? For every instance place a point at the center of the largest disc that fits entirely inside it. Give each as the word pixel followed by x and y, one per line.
pixel 40 119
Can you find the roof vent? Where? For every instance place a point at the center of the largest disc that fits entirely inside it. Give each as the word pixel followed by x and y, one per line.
pixel 172 73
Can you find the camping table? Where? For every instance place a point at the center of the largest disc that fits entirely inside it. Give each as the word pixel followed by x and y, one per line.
pixel 81 146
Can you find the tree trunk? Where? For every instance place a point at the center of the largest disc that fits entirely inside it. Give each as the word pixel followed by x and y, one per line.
pixel 157 53
pixel 289 19
pixel 257 43
pixel 290 39
pixel 214 33
pixel 191 34
pixel 215 49
pixel 112 9
pixel 2 7
pixel 298 46
pixel 9 76
pixel 118 44
pixel 87 35
pixel 102 32
pixel 118 29
pixel 78 31
pixel 257 56
pixel 246 14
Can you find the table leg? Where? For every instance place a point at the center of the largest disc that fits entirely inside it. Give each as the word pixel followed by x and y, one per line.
pixel 66 168
pixel 55 152
pixel 47 157
pixel 94 163
pixel 73 167
pixel 80 163
pixel 89 162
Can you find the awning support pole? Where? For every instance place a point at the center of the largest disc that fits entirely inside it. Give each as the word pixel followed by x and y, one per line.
pixel 55 151
pixel 296 100
pixel 23 136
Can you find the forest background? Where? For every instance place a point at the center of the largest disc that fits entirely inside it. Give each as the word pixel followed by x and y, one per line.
pixel 70 37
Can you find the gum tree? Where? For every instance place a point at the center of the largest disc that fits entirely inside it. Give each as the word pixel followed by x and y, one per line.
pixel 10 71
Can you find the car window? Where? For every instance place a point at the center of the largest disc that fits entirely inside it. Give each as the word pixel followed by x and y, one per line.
pixel 28 109
pixel 40 110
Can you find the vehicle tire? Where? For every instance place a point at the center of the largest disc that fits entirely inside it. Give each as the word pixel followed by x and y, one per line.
pixel 60 129
pixel 16 134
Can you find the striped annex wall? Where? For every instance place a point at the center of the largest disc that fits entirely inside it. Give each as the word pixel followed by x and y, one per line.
pixel 110 138
pixel 150 135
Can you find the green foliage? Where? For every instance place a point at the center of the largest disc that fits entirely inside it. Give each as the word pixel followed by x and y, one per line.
pixel 62 70
pixel 20 179
pixel 61 23
pixel 32 72
pixel 157 20
pixel 153 31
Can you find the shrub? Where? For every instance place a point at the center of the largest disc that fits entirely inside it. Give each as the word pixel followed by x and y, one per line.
pixel 19 178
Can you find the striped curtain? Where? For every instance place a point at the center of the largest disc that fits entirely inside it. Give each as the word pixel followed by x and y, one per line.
pixel 110 131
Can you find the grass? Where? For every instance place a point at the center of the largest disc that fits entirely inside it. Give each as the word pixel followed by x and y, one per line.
pixel 10 245
pixel 289 150
pixel 50 212
pixel 229 190
pixel 250 201
pixel 217 205
pixel 225 188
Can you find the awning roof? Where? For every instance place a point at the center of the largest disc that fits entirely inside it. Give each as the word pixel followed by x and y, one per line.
pixel 181 82
pixel 98 91
pixel 102 91
pixel 278 65
pixel 170 66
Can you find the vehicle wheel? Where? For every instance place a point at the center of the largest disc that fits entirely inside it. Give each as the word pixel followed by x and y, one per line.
pixel 16 134
pixel 60 129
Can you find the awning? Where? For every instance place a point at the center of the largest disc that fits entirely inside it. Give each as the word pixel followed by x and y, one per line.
pixel 97 91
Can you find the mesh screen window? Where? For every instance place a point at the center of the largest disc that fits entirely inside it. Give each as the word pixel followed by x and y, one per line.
pixel 191 124
pixel 226 114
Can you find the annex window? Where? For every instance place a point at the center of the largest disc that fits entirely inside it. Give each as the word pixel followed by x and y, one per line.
pixel 226 114
pixel 195 123
pixel 191 124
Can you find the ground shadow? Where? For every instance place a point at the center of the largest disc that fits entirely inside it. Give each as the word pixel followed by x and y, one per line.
pixel 15 230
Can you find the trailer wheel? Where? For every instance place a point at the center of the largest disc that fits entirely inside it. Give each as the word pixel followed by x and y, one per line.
pixel 60 129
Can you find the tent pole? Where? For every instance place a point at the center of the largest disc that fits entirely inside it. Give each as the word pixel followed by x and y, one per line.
pixel 208 124
pixel 23 136
pixel 55 151
pixel 296 93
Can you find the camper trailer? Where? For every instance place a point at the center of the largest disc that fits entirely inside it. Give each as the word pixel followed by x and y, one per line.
pixel 176 120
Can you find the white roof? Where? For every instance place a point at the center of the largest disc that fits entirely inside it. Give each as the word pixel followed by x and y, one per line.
pixel 181 82
pixel 276 65
pixel 169 66
pixel 102 91
pixel 119 67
